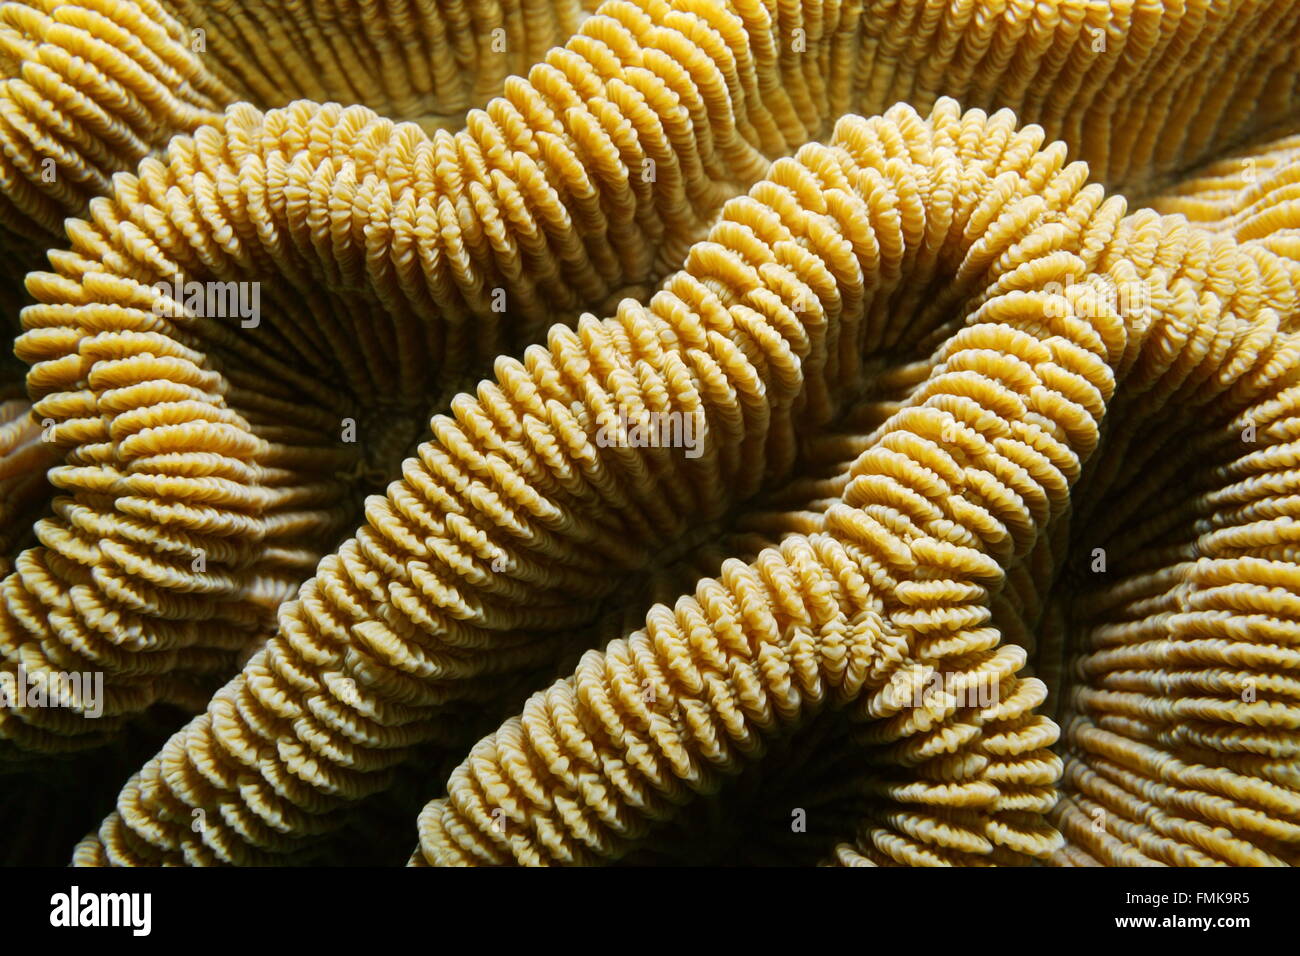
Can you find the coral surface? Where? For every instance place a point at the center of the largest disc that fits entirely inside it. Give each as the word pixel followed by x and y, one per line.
pixel 832 431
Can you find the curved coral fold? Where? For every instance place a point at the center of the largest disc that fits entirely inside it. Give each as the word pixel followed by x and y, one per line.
pixel 88 88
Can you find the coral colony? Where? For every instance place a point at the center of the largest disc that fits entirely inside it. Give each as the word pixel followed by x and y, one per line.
pixel 869 422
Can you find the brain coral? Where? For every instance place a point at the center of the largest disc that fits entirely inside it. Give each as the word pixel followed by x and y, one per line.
pixel 968 418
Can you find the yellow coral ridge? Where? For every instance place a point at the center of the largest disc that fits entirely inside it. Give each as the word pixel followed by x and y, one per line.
pixel 88 88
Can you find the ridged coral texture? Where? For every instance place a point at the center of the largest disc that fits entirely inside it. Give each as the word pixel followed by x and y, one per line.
pixel 841 432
